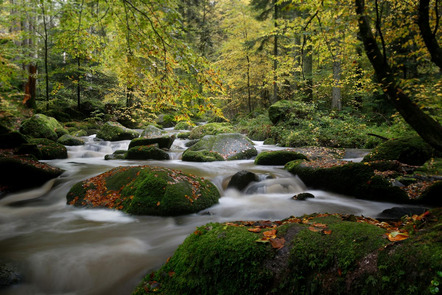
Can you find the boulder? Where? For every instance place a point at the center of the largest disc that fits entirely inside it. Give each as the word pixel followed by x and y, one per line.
pixel 303 196
pixel 353 179
pixel 210 129
pixel 43 149
pixel 70 140
pixel 9 275
pixel 183 125
pixel 152 131
pixel 163 142
pixel 408 150
pixel 41 126
pixel 145 190
pixel 19 173
pixel 229 146
pixel 144 152
pixel 113 131
pixel 117 155
pixel 312 254
pixel 12 140
pixel 278 157
pixel 242 179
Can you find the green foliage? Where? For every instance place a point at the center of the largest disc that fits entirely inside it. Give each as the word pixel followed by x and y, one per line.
pixel 256 128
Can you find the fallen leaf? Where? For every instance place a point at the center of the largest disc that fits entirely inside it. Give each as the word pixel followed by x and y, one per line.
pixel 271 234
pixel 396 236
pixel 327 232
pixel 319 225
pixel 277 243
pixel 254 230
pixel 315 229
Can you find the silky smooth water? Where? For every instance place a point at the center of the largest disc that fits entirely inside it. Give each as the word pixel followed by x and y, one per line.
pixel 60 249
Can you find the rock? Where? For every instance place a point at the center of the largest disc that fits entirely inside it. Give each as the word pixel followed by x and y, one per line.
pixel 44 149
pixel 398 212
pixel 70 140
pixel 41 126
pixel 152 131
pixel 278 157
pixel 331 254
pixel 353 179
pixel 164 142
pixel 8 275
pixel 242 179
pixel 151 152
pixel 18 173
pixel 409 150
pixel 210 129
pixel 145 190
pixel 183 125
pixel 230 146
pixel 80 133
pixel 183 135
pixel 303 196
pixel 12 140
pixel 113 131
pixel 166 121
pixel 117 155
pixel 433 195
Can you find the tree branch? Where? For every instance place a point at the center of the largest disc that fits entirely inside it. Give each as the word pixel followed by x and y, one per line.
pixel 426 33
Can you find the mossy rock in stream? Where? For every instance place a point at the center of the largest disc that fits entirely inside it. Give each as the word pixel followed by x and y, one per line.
pixel 151 152
pixel 316 254
pixel 145 190
pixel 41 126
pixel 18 173
pixel 278 157
pixel 411 150
pixel 113 131
pixel 228 146
pixel 44 149
pixel 164 142
pixel 353 179
pixel 210 129
pixel 70 140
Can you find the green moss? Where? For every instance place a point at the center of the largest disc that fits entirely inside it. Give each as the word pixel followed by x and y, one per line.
pixel 210 129
pixel 41 126
pixel 113 131
pixel 70 140
pixel 163 142
pixel 431 167
pixel 183 126
pixel 408 150
pixel 216 259
pixel 44 149
pixel 201 156
pixel 146 153
pixel 278 157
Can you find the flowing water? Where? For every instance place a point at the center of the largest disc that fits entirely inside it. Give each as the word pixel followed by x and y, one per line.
pixel 60 249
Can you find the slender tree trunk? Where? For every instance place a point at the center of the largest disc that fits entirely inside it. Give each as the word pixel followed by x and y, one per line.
pixel 46 49
pixel 248 85
pixel 275 53
pixel 307 68
pixel 336 90
pixel 31 68
pixel 428 128
pixel 426 33
pixel 78 83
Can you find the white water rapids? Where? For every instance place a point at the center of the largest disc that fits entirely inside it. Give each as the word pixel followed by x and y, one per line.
pixel 60 249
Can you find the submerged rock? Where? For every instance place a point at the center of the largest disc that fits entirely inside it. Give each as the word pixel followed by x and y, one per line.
pixel 8 275
pixel 242 179
pixel 229 146
pixel 303 196
pixel 145 190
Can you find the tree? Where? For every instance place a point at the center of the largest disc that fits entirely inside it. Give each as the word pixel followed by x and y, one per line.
pixel 428 128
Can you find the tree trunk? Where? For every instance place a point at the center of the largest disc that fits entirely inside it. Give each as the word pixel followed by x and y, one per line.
pixel 249 95
pixel 336 91
pixel 428 128
pixel 275 53
pixel 30 87
pixel 428 36
pixel 307 67
pixel 46 49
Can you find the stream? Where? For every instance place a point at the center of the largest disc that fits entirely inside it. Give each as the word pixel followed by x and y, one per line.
pixel 61 249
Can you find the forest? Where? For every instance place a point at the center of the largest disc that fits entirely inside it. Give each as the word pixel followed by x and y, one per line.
pixel 334 102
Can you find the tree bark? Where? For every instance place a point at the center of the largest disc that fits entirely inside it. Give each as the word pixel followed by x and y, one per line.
pixel 275 53
pixel 428 36
pixel 336 90
pixel 428 128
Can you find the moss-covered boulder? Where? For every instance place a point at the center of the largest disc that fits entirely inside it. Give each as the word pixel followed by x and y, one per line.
pixel 12 139
pixel 163 142
pixel 409 150
pixel 113 131
pixel 41 126
pixel 70 140
pixel 210 129
pixel 44 149
pixel 152 131
pixel 361 180
pixel 145 190
pixel 147 152
pixel 183 125
pixel 316 254
pixel 19 173
pixel 117 155
pixel 229 146
pixel 278 157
